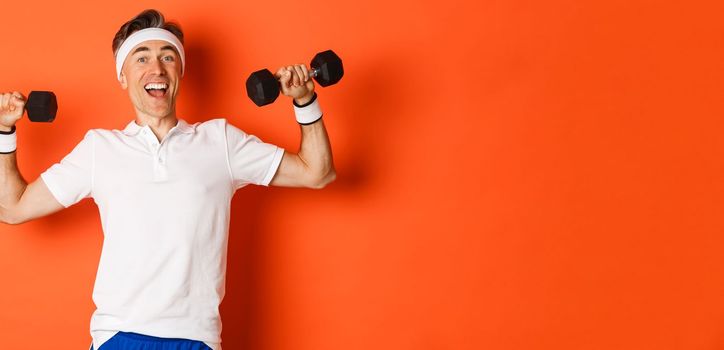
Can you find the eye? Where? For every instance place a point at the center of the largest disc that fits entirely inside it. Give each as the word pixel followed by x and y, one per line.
pixel 168 58
pixel 141 60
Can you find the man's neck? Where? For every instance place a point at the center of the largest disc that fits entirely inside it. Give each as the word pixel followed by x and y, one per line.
pixel 159 126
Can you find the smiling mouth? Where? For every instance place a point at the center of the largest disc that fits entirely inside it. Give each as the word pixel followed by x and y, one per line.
pixel 156 89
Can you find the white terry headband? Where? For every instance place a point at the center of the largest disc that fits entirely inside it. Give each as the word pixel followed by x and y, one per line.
pixel 145 35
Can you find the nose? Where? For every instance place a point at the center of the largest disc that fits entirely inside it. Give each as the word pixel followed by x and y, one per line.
pixel 157 67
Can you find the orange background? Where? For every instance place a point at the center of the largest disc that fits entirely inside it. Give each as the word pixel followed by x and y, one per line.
pixel 511 174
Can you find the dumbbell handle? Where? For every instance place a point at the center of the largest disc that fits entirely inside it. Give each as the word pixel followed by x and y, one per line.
pixel 313 73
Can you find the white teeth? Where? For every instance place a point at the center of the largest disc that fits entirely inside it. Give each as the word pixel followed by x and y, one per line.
pixel 157 86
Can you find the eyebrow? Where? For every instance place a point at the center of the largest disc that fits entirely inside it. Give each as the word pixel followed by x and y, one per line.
pixel 144 48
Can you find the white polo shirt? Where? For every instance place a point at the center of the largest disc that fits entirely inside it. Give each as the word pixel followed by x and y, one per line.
pixel 164 210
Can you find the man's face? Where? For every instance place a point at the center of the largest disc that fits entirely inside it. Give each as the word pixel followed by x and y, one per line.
pixel 151 75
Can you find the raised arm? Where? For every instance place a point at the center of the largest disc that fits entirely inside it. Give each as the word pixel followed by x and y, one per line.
pixel 312 166
pixel 19 202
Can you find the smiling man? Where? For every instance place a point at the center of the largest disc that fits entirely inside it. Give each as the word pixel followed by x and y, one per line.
pixel 163 188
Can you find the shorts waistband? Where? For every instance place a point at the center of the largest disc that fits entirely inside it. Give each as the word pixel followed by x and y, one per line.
pixel 143 337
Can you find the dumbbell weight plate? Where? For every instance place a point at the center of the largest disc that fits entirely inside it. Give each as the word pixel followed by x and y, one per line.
pixel 262 87
pixel 328 66
pixel 42 106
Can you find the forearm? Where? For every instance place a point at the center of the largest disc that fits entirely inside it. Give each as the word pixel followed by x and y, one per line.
pixel 12 185
pixel 312 166
pixel 316 153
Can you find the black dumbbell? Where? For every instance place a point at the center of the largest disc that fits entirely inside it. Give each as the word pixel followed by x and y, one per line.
pixel 263 87
pixel 41 106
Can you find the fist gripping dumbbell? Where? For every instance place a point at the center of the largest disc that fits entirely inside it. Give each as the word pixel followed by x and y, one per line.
pixel 262 86
pixel 41 106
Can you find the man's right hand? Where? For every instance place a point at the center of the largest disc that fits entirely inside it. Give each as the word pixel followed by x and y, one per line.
pixel 12 106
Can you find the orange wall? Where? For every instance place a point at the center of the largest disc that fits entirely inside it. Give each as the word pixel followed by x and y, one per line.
pixel 511 174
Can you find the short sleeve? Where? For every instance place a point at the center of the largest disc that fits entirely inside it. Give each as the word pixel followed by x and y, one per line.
pixel 251 161
pixel 72 179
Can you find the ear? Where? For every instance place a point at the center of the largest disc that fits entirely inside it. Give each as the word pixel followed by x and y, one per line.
pixel 123 82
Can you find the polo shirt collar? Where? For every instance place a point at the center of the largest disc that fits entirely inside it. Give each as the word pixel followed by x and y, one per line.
pixel 182 126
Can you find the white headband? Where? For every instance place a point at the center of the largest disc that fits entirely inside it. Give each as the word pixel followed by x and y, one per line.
pixel 145 35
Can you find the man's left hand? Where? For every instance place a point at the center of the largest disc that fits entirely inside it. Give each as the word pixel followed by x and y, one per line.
pixel 296 83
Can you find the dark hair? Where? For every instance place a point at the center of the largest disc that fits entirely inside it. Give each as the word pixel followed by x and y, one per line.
pixel 147 19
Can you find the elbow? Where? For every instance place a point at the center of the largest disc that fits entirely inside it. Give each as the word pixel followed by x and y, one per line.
pixel 322 181
pixel 13 222
pixel 8 218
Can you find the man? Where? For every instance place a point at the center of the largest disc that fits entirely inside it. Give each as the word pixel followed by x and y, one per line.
pixel 163 189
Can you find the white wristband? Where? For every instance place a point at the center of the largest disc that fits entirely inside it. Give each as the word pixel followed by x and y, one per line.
pixel 308 113
pixel 8 141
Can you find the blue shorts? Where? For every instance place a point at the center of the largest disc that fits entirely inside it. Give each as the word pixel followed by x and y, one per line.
pixel 136 341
